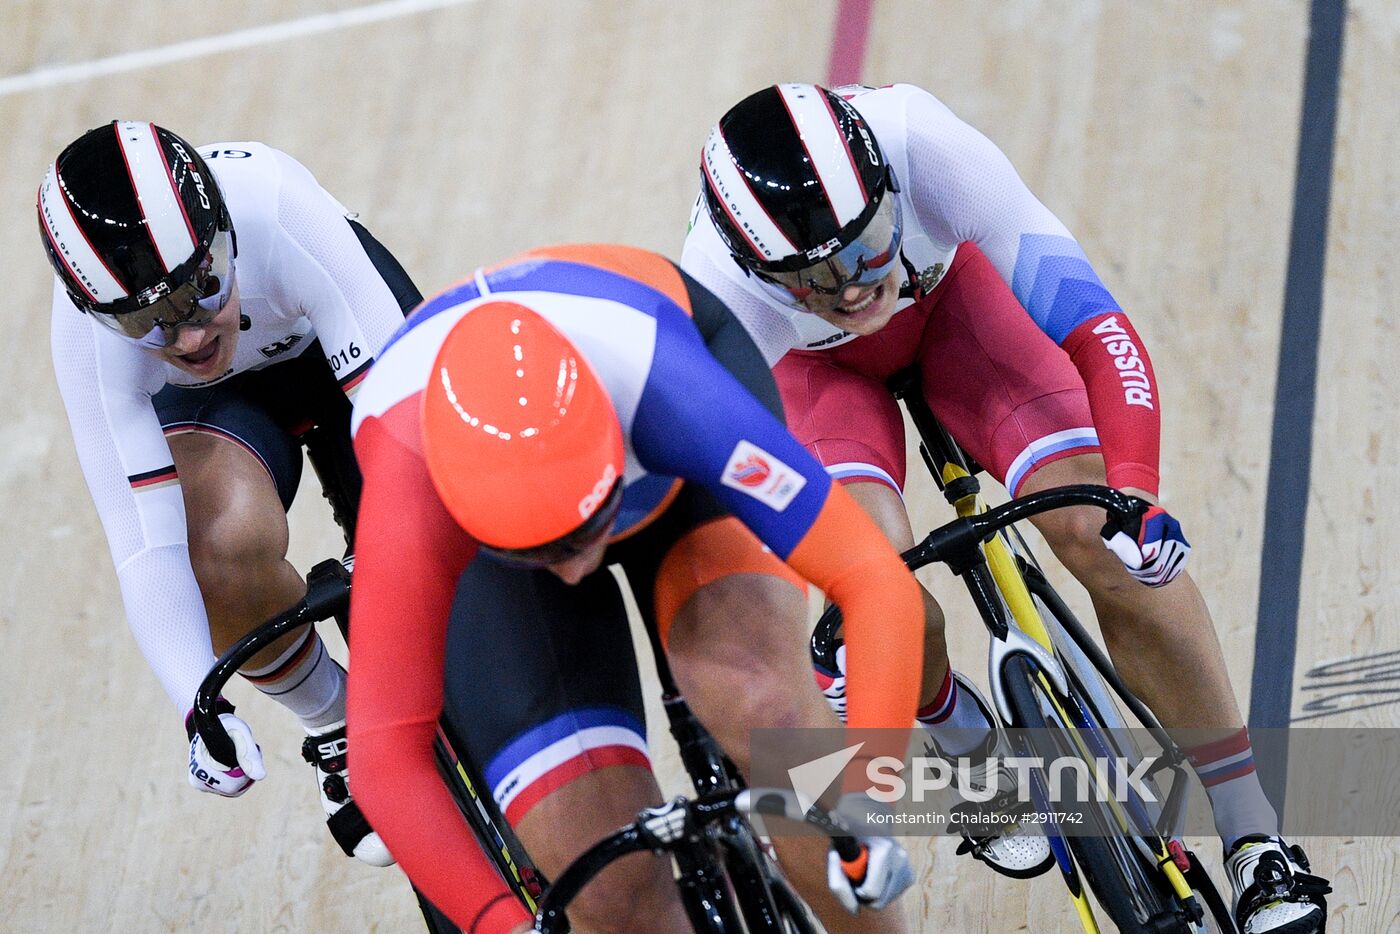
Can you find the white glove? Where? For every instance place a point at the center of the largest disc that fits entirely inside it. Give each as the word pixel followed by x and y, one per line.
pixel 879 874
pixel 208 774
pixel 874 880
pixel 1154 551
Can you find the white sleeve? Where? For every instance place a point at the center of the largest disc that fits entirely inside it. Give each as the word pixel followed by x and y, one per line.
pixel 319 267
pixel 964 188
pixel 106 386
pixel 705 259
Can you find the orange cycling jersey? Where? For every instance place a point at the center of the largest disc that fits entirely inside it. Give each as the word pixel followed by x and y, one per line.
pixel 689 417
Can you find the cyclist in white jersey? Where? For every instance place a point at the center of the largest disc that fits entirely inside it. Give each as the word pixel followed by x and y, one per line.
pixel 862 231
pixel 212 310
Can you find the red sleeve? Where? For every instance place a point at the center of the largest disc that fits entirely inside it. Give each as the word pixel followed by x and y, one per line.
pixel 408 556
pixel 1123 398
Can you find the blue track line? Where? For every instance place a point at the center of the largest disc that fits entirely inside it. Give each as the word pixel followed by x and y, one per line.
pixel 1290 450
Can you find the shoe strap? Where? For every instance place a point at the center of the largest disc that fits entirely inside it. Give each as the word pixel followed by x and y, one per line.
pixel 348 826
pixel 1280 882
pixel 326 751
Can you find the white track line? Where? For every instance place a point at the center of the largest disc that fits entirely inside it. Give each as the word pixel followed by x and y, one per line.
pixel 213 45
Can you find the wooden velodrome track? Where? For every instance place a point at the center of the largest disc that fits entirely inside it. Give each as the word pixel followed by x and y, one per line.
pixel 464 130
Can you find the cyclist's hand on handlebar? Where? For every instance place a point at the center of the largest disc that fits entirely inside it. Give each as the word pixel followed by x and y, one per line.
pixel 1152 547
pixel 876 877
pixel 879 873
pixel 208 774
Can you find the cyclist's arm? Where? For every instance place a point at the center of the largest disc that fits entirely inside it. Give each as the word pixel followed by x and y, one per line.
pixel 711 402
pixel 409 554
pixel 106 386
pixel 964 188
pixel 323 269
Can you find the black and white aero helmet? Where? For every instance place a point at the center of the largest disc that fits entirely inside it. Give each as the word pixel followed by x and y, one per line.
pixel 130 215
pixel 794 180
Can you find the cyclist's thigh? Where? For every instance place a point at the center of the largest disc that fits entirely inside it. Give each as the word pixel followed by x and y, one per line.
pixel 1006 392
pixel 847 419
pixel 190 417
pixel 305 398
pixel 542 689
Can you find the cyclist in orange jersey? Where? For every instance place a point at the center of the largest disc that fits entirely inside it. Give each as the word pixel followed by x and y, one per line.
pixel 567 410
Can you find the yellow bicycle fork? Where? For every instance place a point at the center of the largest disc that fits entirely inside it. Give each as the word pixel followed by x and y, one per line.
pixel 1012 586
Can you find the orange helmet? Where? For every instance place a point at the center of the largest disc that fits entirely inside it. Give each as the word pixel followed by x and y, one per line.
pixel 521 439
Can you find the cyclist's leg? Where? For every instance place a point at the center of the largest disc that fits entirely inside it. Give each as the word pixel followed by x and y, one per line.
pixel 542 688
pixel 851 423
pixel 1163 643
pixel 1015 401
pixel 239 468
pixel 734 620
pixel 238 472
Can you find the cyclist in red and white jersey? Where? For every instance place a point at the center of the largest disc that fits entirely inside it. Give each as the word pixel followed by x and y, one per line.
pixel 862 231
pixel 212 310
pixel 566 410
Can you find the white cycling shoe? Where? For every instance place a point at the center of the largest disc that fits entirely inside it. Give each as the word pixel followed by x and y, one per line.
pixel 1015 849
pixel 327 752
pixel 1274 893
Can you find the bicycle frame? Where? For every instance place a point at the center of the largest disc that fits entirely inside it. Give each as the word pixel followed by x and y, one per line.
pixel 758 895
pixel 698 833
pixel 998 585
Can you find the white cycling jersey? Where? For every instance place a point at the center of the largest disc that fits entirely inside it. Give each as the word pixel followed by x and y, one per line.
pixel 955 185
pixel 302 275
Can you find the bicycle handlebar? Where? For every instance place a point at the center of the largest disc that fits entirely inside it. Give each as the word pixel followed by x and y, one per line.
pixel 327 594
pixel 959 538
pixel 679 823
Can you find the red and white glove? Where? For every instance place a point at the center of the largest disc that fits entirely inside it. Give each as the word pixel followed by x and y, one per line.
pixel 209 774
pixel 875 879
pixel 833 683
pixel 1152 547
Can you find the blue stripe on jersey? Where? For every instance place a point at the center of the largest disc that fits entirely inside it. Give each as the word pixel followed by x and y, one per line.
pixel 692 415
pixel 551 731
pixel 544 275
pixel 454 296
pixel 639 499
pixel 1055 283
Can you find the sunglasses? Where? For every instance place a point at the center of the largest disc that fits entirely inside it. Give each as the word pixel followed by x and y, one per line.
pixel 194 304
pixel 862 263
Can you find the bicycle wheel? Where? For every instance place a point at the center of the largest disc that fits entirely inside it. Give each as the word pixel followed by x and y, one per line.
pixel 1112 867
pixel 767 901
pixel 1101 704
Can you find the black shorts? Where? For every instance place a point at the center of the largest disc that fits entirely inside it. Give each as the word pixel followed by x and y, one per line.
pixel 270 412
pixel 541 677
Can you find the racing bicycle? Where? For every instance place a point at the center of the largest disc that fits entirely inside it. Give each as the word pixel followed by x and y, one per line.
pixel 1053 683
pixel 726 877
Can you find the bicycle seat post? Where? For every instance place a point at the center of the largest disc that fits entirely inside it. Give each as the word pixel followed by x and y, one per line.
pixel 938 448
